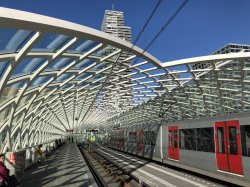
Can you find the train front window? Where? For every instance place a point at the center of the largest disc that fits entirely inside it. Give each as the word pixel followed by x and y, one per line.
pixel 233 140
pixel 220 134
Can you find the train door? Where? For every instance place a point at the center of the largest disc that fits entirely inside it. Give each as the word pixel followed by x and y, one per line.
pixel 139 140
pixel 173 142
pixel 228 147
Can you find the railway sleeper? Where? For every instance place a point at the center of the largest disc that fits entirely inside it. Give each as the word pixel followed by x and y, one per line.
pixel 111 169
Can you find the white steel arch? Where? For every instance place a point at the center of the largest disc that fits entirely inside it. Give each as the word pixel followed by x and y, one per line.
pixel 56 75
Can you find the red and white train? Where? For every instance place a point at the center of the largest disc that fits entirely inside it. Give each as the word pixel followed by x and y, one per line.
pixel 218 147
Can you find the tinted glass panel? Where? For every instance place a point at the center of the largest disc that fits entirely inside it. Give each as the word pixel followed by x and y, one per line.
pixel 11 39
pixel 205 139
pixel 40 80
pixel 27 65
pixel 51 42
pixel 188 139
pixel 132 137
pixel 152 138
pixel 2 137
pixel 85 63
pixel 182 139
pixel 233 140
pixel 220 135
pixel 170 138
pixel 82 46
pixel 3 66
pixel 11 90
pixel 245 140
pixel 175 139
pixel 145 139
pixel 59 63
pixel 139 136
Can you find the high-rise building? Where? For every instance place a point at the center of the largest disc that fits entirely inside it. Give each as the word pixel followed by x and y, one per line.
pixel 113 24
pixel 229 48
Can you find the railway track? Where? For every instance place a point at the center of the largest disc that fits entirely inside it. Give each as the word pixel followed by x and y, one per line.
pixel 105 172
pixel 119 169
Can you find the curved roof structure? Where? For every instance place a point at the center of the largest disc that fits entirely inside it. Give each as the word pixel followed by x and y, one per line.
pixel 56 75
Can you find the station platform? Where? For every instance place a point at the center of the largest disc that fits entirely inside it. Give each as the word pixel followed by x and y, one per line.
pixel 65 167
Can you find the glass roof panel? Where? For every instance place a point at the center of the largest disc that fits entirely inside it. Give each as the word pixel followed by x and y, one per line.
pixel 24 100
pixel 82 76
pixel 138 75
pixel 146 66
pixel 82 46
pixel 59 63
pixel 10 91
pixel 220 85
pixel 3 135
pixel 40 80
pixel 156 71
pixel 62 77
pixel 3 66
pixel 4 114
pixel 64 87
pixel 100 53
pixel 12 39
pixel 100 66
pixel 27 66
pixel 51 42
pixel 83 64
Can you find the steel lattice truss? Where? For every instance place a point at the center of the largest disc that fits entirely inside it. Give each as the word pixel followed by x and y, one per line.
pixel 57 75
pixel 221 86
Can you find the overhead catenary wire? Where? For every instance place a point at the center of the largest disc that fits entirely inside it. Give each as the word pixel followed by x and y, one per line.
pixel 166 24
pixel 163 28
pixel 145 25
pixel 147 22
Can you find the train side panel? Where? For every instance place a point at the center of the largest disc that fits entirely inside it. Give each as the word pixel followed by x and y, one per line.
pixel 192 157
pixel 158 154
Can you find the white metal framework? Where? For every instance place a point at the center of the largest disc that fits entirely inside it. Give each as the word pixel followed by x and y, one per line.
pixel 56 75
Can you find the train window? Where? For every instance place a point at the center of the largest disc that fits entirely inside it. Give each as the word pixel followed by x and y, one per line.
pixel 139 136
pixel 144 137
pixel 205 139
pixel 187 139
pixel 181 141
pixel 220 134
pixel 132 137
pixel 170 138
pixel 245 140
pixel 233 141
pixel 175 139
pixel 152 137
pixel 148 137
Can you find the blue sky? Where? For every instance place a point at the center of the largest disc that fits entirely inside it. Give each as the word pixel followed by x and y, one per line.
pixel 202 27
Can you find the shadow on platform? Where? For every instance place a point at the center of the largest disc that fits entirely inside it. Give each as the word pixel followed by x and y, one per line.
pixel 65 167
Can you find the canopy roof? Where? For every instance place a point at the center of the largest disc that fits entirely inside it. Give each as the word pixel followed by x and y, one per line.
pixel 56 75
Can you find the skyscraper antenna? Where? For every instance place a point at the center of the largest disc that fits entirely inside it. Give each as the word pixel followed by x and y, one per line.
pixel 113 7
